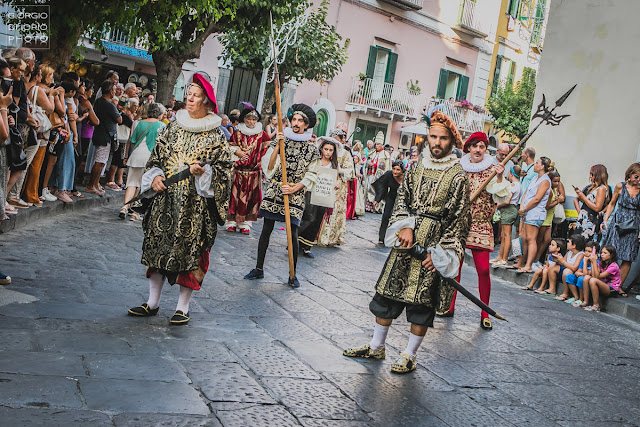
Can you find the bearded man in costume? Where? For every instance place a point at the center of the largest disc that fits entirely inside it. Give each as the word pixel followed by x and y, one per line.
pixel 299 153
pixel 180 223
pixel 432 210
pixel 332 231
pixel 478 166
pixel 378 162
pixel 246 190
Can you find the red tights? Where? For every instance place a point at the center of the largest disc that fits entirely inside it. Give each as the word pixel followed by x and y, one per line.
pixel 481 260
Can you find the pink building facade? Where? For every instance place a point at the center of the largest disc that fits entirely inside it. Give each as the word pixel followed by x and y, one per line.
pixel 404 56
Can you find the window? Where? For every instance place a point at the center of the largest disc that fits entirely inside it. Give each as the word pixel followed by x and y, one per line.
pixel 381 65
pixel 368 130
pixel 495 84
pixel 513 8
pixel 452 85
pixel 322 120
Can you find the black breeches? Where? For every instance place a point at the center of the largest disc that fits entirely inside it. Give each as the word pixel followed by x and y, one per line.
pixel 265 236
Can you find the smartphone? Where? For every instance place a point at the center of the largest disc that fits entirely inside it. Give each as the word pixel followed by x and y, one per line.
pixel 593 250
pixel 6 85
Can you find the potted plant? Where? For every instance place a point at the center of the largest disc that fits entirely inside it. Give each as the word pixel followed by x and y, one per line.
pixel 466 104
pixel 413 86
pixel 362 76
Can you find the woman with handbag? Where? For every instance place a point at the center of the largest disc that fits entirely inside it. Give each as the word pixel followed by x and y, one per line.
pixel 624 231
pixel 591 201
pixel 41 97
pixel 143 139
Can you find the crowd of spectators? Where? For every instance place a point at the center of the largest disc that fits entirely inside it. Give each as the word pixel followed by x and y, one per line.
pixel 59 137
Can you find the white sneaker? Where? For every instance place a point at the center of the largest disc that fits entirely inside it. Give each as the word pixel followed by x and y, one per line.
pixel 536 266
pixel 48 196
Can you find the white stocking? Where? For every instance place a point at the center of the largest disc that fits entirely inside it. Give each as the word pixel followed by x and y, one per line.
pixel 155 290
pixel 413 344
pixel 379 337
pixel 184 299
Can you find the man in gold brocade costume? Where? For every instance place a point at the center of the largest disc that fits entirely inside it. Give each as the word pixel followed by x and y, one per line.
pixel 432 210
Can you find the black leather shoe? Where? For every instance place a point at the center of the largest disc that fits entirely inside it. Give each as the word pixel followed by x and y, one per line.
pixel 180 318
pixel 255 274
pixel 294 282
pixel 447 313
pixel 143 311
pixel 307 254
pixel 486 324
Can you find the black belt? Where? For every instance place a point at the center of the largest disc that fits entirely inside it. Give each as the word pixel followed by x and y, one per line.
pixel 428 215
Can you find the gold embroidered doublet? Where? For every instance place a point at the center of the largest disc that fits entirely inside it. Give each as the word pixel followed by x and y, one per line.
pixel 439 201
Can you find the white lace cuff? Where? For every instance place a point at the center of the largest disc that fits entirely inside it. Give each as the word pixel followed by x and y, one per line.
pixel 390 237
pixel 203 183
pixel 148 177
pixel 446 261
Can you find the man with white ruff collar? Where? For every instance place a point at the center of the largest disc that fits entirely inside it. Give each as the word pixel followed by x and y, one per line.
pixel 299 154
pixel 479 165
pixel 432 210
pixel 180 223
pixel 246 190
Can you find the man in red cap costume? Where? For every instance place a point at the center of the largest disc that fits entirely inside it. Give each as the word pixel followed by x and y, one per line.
pixel 180 222
pixel 246 191
pixel 432 210
pixel 479 166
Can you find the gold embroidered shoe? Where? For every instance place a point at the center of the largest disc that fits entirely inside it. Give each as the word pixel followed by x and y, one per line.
pixel 143 311
pixel 365 351
pixel 404 364
pixel 179 318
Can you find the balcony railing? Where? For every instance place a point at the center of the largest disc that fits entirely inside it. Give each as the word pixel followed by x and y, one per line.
pixel 122 37
pixel 368 94
pixel 468 20
pixel 405 4
pixel 467 120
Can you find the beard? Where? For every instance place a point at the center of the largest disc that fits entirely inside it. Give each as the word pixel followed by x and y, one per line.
pixel 438 152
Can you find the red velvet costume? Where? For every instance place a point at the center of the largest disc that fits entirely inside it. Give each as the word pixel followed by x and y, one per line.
pixel 246 190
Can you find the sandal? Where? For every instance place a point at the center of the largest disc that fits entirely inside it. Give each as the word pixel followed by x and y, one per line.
pixel 404 364
pixel 77 194
pixel 526 288
pixel 623 294
pixel 595 308
pixel 524 270
pixel 561 298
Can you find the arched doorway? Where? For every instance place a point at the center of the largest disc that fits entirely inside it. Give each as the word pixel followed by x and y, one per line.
pixel 322 117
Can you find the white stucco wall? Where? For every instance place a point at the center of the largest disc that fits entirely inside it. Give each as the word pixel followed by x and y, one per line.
pixel 592 43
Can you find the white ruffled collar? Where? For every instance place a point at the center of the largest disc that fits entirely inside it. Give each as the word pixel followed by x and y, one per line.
pixel 439 164
pixel 465 162
pixel 208 122
pixel 242 127
pixel 300 137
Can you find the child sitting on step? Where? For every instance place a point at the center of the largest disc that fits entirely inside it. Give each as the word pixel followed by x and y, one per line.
pixel 605 277
pixel 576 279
pixel 555 247
pixel 569 264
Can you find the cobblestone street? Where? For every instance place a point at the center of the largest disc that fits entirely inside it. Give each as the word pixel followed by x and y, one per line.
pixel 259 353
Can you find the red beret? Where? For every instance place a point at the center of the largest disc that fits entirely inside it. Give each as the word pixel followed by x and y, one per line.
pixel 199 80
pixel 475 137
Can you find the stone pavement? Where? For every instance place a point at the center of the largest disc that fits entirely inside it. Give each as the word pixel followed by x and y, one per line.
pixel 259 353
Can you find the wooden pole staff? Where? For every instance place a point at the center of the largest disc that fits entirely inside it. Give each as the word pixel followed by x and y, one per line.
pixel 547 117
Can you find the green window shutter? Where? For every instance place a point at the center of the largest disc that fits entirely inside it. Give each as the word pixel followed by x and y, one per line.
pixel 463 87
pixel 496 75
pixel 512 73
pixel 514 8
pixel 371 63
pixel 442 83
pixel 390 75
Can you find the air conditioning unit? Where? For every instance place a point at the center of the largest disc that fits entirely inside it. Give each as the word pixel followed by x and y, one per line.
pixel 405 142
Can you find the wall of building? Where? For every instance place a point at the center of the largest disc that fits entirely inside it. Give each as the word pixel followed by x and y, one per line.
pixel 594 44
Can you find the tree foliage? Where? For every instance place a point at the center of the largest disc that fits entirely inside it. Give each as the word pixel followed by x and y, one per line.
pixel 511 106
pixel 318 55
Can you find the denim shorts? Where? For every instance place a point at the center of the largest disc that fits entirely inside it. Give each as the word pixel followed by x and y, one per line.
pixel 536 222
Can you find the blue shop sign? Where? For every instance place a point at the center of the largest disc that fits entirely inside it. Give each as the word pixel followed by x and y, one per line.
pixel 127 50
